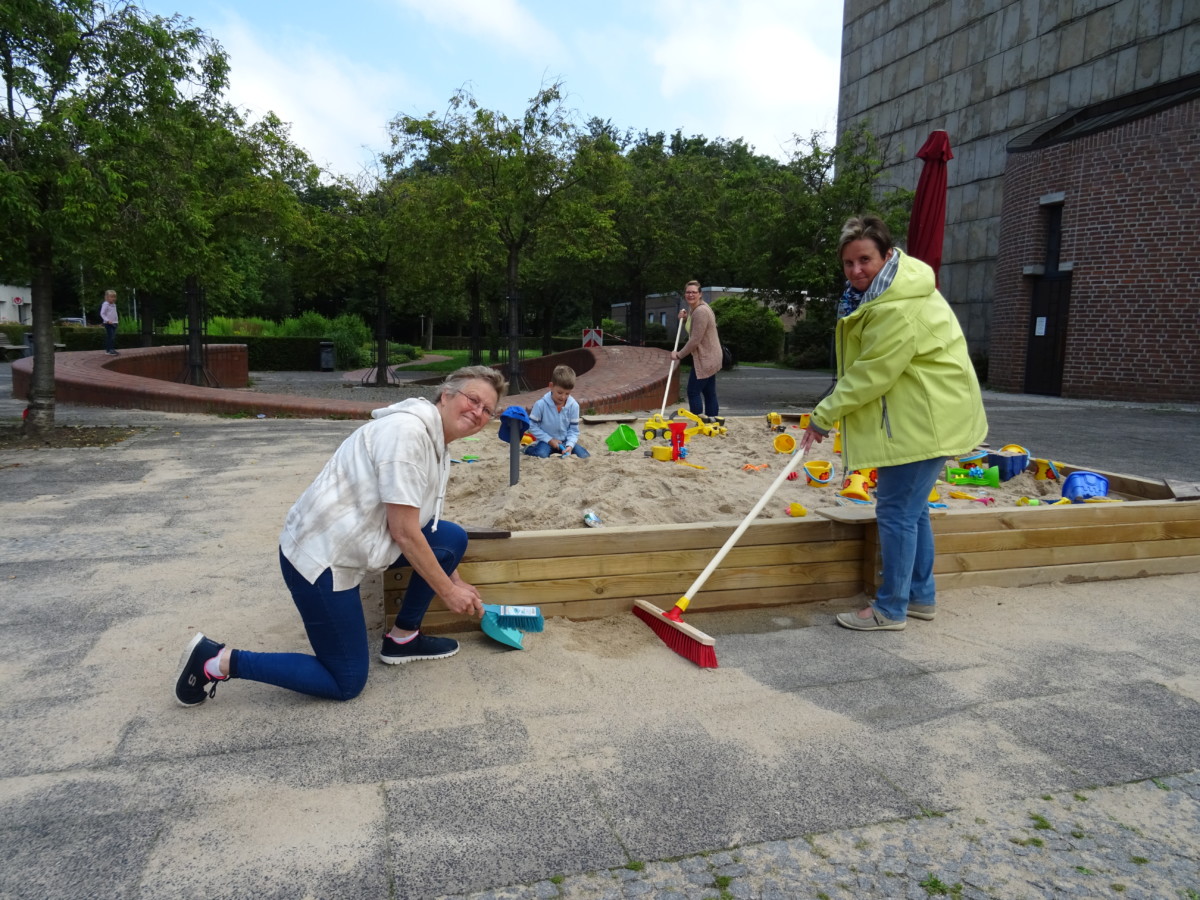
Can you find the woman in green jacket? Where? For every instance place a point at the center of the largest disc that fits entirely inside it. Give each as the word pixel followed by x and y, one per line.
pixel 906 398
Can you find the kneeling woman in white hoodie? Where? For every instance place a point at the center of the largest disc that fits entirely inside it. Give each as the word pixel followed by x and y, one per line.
pixel 376 505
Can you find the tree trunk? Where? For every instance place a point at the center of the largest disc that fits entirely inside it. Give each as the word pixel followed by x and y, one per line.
pixel 40 419
pixel 514 321
pixel 146 313
pixel 381 337
pixel 494 334
pixel 547 329
pixel 475 357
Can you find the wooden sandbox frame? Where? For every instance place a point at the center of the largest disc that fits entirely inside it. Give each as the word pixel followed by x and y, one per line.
pixel 592 573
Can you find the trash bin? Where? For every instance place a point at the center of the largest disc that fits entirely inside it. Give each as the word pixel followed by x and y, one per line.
pixel 328 358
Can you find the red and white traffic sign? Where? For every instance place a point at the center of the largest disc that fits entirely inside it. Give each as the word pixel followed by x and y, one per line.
pixel 593 337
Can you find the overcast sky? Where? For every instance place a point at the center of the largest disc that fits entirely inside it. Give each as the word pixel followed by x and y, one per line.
pixel 759 70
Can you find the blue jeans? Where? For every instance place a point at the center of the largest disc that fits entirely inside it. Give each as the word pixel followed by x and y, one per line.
pixel 110 337
pixel 542 450
pixel 336 628
pixel 905 536
pixel 702 395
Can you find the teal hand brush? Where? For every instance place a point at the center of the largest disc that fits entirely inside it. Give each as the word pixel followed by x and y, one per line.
pixel 524 618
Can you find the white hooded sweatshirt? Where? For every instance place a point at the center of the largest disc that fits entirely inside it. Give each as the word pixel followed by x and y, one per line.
pixel 340 521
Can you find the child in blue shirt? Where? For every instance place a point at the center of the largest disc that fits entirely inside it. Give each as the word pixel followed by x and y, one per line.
pixel 554 421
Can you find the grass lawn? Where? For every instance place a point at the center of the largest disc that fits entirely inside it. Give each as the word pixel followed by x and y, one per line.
pixel 458 359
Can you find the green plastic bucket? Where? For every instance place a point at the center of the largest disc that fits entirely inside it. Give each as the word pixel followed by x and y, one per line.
pixel 624 438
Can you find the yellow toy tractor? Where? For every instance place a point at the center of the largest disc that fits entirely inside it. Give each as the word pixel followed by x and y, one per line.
pixel 657 427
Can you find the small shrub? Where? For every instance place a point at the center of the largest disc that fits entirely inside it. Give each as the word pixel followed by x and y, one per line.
pixel 402 353
pixel 753 331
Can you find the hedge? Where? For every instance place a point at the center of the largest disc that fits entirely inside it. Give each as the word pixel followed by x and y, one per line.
pixel 266 354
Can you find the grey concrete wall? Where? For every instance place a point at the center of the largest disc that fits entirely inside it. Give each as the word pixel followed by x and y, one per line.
pixel 985 71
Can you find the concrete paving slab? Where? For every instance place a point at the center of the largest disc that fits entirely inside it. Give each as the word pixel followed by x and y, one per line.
pixel 500 825
pixel 814 760
pixel 1109 733
pixel 680 795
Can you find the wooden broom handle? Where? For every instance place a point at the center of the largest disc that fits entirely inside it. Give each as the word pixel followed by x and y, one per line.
pixel 670 371
pixel 797 457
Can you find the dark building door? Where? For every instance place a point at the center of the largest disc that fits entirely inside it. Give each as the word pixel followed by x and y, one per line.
pixel 1046 346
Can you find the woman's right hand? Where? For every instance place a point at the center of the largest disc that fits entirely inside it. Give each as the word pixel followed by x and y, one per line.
pixel 463 598
pixel 811 436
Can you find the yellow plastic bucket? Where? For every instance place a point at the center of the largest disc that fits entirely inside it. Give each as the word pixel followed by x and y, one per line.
pixel 663 454
pixel 784 443
pixel 818 472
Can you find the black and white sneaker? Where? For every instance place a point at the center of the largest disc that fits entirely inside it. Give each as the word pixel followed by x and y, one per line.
pixel 192 686
pixel 421 647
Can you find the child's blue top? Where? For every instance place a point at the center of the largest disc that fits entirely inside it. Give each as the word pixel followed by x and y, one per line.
pixel 546 423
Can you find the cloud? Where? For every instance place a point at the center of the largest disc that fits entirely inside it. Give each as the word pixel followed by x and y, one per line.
pixel 764 69
pixel 338 109
pixel 503 22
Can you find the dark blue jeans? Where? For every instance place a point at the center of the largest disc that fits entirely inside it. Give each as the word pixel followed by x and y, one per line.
pixel 336 628
pixel 702 395
pixel 110 337
pixel 542 450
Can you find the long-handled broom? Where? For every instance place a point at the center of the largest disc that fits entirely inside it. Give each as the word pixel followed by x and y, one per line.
pixel 689 642
pixel 671 370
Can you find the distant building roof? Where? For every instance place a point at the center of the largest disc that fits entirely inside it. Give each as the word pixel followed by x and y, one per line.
pixel 1108 114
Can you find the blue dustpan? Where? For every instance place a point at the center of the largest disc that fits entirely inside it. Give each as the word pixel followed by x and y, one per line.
pixel 510 637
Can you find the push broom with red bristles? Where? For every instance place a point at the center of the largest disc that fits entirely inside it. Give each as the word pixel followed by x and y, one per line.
pixel 692 643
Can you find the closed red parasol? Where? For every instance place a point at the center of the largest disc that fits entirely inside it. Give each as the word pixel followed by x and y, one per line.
pixel 927 225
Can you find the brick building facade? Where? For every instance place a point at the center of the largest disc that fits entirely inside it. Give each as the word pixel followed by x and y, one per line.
pixel 986 72
pixel 1097 290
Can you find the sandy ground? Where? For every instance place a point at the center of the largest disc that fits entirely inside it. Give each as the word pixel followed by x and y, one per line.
pixel 629 488
pixel 594 748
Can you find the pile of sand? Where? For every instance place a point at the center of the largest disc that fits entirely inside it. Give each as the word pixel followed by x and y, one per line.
pixel 630 488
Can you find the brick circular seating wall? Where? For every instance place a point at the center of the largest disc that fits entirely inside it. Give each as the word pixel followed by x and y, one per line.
pixel 610 379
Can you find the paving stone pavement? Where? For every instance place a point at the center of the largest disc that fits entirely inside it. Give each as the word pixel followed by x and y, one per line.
pixel 108 791
pixel 1139 841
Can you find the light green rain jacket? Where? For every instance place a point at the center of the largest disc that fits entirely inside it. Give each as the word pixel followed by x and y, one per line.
pixel 906 388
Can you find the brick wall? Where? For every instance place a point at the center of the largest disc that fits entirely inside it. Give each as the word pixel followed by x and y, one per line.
pixel 1129 217
pixel 610 380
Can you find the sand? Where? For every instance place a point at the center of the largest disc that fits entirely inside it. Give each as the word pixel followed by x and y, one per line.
pixel 629 488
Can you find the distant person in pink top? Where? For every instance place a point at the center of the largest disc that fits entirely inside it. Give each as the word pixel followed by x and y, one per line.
pixel 108 315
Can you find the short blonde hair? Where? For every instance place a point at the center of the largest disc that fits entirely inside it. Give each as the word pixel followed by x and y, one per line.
pixel 563 377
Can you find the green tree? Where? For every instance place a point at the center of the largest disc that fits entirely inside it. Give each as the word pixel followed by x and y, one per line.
pixel 517 180
pixel 801 205
pixel 751 329
pixel 84 86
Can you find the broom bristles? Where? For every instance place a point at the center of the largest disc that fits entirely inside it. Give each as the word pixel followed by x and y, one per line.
pixel 523 618
pixel 690 643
